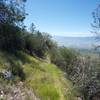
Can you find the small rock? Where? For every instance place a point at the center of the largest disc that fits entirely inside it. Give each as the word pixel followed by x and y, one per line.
pixel 6 74
pixel 1 95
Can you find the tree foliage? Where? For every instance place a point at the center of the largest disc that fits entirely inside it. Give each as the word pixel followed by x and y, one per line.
pixel 12 12
pixel 37 43
pixel 12 15
pixel 96 24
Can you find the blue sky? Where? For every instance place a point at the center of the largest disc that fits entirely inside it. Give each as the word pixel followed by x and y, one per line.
pixel 61 17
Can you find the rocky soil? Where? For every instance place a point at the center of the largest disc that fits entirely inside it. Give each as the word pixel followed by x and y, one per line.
pixel 16 92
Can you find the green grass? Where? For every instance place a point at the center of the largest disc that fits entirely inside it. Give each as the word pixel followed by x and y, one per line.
pixel 47 80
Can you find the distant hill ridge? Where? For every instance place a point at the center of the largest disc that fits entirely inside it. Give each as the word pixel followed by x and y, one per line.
pixel 76 42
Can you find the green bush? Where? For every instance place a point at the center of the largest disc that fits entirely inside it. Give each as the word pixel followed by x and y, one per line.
pixel 37 43
pixel 64 58
pixel 70 57
pixel 57 58
pixel 11 38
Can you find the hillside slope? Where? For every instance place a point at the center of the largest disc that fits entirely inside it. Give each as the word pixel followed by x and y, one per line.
pixel 45 79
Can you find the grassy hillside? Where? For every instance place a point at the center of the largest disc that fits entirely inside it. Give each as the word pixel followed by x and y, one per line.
pixel 45 79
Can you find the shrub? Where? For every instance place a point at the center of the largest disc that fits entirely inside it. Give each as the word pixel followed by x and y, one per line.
pixel 11 38
pixel 64 58
pixel 57 58
pixel 37 43
pixel 70 57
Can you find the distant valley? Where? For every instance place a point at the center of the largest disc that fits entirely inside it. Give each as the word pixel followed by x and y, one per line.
pixel 76 42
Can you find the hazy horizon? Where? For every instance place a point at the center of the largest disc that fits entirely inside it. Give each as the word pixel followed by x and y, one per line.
pixel 73 36
pixel 76 42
